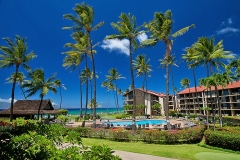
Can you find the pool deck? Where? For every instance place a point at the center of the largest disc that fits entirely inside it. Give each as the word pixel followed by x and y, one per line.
pixel 184 123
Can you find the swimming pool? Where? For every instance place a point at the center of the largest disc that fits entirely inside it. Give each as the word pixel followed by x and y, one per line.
pixel 149 121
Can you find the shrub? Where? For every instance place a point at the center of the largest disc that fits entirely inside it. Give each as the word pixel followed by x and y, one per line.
pixel 119 134
pixel 100 152
pixel 226 137
pixel 84 131
pixel 63 111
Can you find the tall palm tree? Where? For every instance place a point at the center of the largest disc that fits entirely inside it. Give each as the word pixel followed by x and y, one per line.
pixel 235 66
pixel 60 85
pixel 127 29
pixel 206 52
pixel 73 61
pixel 84 20
pixel 143 69
pixel 113 77
pixel 185 82
pixel 106 85
pixel 38 83
pixel 85 77
pixel 15 54
pixel 19 79
pixel 119 91
pixel 189 57
pixel 161 30
pixel 209 54
pixel 171 62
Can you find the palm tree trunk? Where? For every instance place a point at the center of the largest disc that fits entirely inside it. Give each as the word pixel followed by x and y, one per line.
pixel 79 73
pixel 13 89
pixel 60 96
pixel 117 98
pixel 189 100
pixel 39 108
pixel 195 86
pixel 144 82
pixel 95 82
pixel 174 101
pixel 133 87
pixel 91 105
pixel 23 93
pixel 85 111
pixel 219 107
pixel 168 52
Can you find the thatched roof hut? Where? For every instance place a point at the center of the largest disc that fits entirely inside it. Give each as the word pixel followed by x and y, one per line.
pixel 29 108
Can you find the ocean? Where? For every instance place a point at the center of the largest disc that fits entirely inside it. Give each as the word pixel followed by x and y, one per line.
pixel 76 111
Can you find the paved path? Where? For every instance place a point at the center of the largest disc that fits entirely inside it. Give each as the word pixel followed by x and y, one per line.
pixel 137 156
pixel 126 155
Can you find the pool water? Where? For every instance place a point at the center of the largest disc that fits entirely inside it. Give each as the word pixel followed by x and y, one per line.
pixel 122 123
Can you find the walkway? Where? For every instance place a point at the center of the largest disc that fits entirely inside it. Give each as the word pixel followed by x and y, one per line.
pixel 126 155
pixel 137 156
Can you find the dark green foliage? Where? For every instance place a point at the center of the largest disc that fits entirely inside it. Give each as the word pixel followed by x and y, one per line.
pixel 100 153
pixel 63 111
pixel 226 137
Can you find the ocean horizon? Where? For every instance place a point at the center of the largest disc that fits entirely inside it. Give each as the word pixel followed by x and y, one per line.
pixel 76 111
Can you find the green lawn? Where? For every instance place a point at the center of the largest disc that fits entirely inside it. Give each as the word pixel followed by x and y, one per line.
pixel 184 151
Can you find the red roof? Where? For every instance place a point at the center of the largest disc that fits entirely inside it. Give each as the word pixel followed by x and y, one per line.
pixel 149 92
pixel 202 88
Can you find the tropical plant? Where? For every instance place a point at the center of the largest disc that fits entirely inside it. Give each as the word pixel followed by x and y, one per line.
pixel 60 85
pixel 73 60
pixel 171 62
pixel 143 69
pixel 38 83
pixel 84 77
pixel 185 82
pixel 19 79
pixel 113 77
pixel 160 29
pixel 106 85
pixel 127 28
pixel 15 55
pixel 235 66
pixel 84 20
pixel 192 63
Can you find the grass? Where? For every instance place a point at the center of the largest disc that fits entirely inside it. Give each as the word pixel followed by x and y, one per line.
pixel 184 151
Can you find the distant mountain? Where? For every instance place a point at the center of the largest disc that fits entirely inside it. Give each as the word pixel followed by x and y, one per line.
pixel 4 105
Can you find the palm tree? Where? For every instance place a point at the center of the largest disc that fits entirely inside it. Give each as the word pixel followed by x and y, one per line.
pixel 15 55
pixel 60 85
pixel 209 54
pixel 161 30
pixel 235 66
pixel 171 62
pixel 84 77
pixel 84 20
pixel 106 85
pixel 143 69
pixel 119 91
pixel 113 77
pixel 185 82
pixel 38 83
pixel 19 79
pixel 192 63
pixel 73 61
pixel 127 28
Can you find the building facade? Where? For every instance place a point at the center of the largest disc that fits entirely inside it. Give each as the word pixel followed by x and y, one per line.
pixel 148 99
pixel 229 96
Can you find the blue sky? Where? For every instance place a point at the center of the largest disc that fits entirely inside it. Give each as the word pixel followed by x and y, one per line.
pixel 41 22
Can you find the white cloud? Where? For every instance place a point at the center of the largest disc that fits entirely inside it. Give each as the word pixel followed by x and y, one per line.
pixel 7 100
pixel 230 21
pixel 54 104
pixel 228 30
pixel 122 46
pixel 142 37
